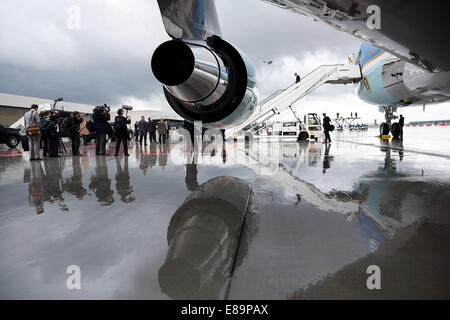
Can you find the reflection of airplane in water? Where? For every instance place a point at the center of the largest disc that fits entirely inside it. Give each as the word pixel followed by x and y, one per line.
pixel 378 199
pixel 403 217
pixel 397 69
pixel 208 238
pixel 203 235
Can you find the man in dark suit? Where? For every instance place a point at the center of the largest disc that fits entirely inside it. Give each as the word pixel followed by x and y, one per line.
pixel 142 127
pixel 326 127
pixel 121 130
pixel 151 127
pixel 102 127
pixel 73 127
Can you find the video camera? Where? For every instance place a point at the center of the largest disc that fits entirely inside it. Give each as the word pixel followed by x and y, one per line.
pixel 102 109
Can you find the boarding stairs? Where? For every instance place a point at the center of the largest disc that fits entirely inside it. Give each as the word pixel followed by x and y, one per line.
pixel 283 100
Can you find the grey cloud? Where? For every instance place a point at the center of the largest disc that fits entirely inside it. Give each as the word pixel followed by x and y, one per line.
pixel 109 58
pixel 266 32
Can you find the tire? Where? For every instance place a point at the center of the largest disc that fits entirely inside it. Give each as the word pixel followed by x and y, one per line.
pixel 384 129
pixel 13 141
pixel 303 136
pixel 395 130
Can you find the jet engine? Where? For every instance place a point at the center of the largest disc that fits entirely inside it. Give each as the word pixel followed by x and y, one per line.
pixel 204 77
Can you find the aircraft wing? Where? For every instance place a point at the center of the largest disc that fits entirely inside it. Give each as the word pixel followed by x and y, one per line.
pixel 411 30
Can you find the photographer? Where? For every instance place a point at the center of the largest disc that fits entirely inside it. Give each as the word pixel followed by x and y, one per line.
pixel 102 127
pixel 72 125
pixel 121 131
pixel 50 126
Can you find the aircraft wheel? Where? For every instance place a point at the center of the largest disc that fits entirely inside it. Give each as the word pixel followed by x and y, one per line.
pixel 384 129
pixel 395 130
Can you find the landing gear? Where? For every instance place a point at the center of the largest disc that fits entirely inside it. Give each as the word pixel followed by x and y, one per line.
pixel 384 129
pixel 395 130
pixel 387 127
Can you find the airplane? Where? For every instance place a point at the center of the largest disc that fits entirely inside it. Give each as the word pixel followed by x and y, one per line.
pixel 403 60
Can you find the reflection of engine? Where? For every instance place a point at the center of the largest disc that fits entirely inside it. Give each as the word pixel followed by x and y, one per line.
pixel 203 236
pixel 209 81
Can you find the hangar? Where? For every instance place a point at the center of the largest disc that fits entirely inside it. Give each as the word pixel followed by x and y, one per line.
pixel 13 107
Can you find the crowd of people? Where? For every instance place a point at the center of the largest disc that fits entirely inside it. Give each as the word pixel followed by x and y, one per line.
pixel 43 131
pixel 144 128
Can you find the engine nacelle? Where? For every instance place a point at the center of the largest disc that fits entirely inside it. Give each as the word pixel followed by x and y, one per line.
pixel 212 82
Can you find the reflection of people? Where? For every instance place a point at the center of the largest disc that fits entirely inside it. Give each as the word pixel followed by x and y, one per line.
pixel 164 151
pixel 74 185
pixel 327 159
pixel 123 187
pixel 202 238
pixel 100 182
pixel 153 157
pixel 53 180
pixel 144 163
pixel 36 187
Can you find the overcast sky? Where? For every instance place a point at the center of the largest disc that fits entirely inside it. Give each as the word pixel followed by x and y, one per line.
pixel 107 60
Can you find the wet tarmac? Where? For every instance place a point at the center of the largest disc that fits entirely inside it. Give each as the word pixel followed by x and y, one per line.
pixel 280 220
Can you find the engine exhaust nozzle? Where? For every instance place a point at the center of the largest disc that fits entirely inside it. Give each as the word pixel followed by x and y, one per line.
pixel 191 73
pixel 173 63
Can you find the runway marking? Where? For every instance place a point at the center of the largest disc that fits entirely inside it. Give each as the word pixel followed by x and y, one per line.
pixel 427 153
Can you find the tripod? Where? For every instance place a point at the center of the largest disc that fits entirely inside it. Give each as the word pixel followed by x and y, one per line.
pixel 61 144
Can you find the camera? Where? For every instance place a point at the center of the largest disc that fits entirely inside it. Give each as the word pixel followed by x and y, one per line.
pixel 102 109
